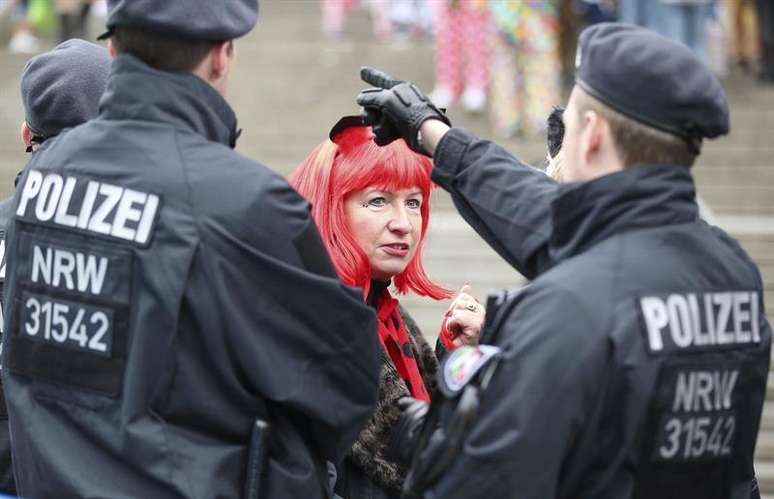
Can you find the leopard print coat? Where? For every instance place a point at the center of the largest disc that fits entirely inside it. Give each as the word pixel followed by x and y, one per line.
pixel 367 454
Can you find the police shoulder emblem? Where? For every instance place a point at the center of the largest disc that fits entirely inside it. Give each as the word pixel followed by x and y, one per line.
pixel 461 365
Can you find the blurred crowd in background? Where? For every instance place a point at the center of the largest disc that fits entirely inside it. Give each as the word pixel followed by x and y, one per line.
pixel 514 58
pixel 59 20
pixel 509 58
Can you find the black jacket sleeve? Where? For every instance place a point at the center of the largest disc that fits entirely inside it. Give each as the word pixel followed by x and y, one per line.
pixel 505 200
pixel 6 470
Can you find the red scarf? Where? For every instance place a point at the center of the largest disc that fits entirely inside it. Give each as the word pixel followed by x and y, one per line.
pixel 395 340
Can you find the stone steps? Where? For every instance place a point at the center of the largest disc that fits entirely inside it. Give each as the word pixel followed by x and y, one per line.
pixel 765 472
pixel 716 176
pixel 753 200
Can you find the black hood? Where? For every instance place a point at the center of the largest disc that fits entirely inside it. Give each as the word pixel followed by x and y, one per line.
pixel 136 91
pixel 639 197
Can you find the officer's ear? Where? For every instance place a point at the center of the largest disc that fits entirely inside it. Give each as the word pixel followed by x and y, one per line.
pixel 111 49
pixel 26 134
pixel 591 135
pixel 221 55
pixel 598 147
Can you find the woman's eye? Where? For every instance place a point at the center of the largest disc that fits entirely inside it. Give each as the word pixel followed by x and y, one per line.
pixel 414 203
pixel 378 202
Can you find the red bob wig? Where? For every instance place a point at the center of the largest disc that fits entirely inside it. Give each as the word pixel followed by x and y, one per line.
pixel 333 170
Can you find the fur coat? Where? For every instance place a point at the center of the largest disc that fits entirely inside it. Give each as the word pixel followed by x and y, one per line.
pixel 366 474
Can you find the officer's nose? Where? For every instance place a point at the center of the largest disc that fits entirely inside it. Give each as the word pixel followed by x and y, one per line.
pixel 400 222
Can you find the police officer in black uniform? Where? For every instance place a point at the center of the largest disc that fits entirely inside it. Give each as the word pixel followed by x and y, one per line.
pixel 174 326
pixel 59 89
pixel 634 365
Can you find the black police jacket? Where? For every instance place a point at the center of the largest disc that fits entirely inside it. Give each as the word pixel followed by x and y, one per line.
pixel 6 469
pixel 635 364
pixel 164 292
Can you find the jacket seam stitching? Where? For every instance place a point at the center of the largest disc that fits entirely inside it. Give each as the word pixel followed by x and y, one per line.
pixel 189 187
pixel 195 216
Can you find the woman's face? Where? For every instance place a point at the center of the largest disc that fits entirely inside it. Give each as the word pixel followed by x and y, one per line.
pixel 387 226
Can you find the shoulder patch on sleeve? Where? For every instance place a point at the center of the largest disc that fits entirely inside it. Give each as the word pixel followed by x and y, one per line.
pixel 461 365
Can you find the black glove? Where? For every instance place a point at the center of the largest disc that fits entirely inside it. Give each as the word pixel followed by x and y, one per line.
pixel 396 109
pixel 406 431
pixel 555 131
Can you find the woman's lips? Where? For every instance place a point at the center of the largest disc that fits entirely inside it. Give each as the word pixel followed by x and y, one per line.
pixel 397 249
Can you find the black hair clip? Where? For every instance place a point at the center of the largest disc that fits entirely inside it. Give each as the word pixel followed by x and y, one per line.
pixel 347 122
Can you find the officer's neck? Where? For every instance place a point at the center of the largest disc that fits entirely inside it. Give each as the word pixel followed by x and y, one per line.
pixel 215 68
pixel 598 157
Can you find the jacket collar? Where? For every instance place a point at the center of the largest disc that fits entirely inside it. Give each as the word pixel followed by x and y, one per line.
pixel 376 292
pixel 640 197
pixel 136 91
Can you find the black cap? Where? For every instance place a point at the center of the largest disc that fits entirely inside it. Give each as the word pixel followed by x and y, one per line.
pixel 208 20
pixel 651 79
pixel 61 88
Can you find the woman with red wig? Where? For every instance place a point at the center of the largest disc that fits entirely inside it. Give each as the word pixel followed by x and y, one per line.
pixel 371 205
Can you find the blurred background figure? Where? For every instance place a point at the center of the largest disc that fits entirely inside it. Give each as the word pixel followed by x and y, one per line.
pixel 766 20
pixel 740 32
pixel 461 53
pixel 334 15
pixel 681 20
pixel 686 22
pixel 717 31
pixel 594 11
pixel 526 69
pixel 411 18
pixel 574 16
pixel 639 12
pixel 744 39
pixel 22 41
pixel 73 16
pixel 36 25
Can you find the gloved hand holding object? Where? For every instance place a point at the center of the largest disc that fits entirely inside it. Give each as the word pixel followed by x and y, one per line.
pixel 555 137
pixel 555 131
pixel 396 109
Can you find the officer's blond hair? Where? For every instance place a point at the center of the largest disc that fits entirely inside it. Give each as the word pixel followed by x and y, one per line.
pixel 635 142
pixel 162 52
